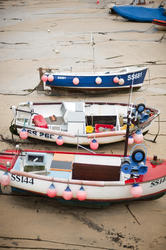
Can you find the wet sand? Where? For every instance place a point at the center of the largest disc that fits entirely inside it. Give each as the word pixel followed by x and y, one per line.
pixel 57 34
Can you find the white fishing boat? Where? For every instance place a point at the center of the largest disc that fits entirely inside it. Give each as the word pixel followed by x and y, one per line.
pixel 84 123
pixel 83 177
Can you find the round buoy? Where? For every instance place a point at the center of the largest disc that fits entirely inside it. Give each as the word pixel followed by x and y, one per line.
pixel 67 193
pixel 59 140
pixel 76 80
pixel 121 81
pixel 98 80
pixel 51 192
pixel 115 79
pixel 50 78
pixel 94 144
pixel 5 179
pixel 136 190
pixel 138 137
pixel 130 140
pixel 44 78
pixel 23 134
pixel 81 194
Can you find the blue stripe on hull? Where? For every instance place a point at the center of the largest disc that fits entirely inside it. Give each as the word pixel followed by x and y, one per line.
pixel 66 81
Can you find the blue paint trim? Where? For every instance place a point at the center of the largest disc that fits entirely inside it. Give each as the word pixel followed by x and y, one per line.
pixel 140 13
pixel 89 81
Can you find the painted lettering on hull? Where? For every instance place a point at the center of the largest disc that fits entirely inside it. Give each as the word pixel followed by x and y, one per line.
pixel 158 181
pixel 40 134
pixel 134 76
pixel 22 179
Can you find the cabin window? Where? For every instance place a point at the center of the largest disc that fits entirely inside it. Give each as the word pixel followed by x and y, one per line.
pixel 34 162
pixel 35 158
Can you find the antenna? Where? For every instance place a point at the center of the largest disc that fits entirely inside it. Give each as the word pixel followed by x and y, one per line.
pixel 93 50
pixel 128 118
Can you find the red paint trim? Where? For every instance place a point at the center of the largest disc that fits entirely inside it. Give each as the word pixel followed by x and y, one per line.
pixel 159 22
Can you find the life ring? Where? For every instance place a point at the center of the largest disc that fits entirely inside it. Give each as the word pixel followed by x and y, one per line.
pixel 89 129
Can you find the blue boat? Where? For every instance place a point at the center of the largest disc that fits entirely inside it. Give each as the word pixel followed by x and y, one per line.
pixel 140 13
pixel 116 79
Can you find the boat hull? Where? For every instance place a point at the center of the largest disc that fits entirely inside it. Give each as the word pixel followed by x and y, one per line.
pixel 100 129
pixel 96 193
pixel 161 25
pixel 139 13
pixel 51 136
pixel 99 177
pixel 88 82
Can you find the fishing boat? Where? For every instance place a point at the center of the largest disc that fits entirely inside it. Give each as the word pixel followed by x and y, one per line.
pixel 160 24
pixel 80 123
pixel 140 13
pixel 120 78
pixel 84 178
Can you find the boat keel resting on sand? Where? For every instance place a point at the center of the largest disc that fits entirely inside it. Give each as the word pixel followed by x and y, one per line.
pixel 85 123
pixel 84 177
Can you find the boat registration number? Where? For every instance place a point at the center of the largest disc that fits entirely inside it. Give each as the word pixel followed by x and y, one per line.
pixel 41 134
pixel 134 76
pixel 157 182
pixel 22 179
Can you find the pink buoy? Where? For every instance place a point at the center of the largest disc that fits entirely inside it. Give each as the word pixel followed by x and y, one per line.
pixel 5 179
pixel 59 140
pixel 136 190
pixel 44 78
pixel 51 192
pixel 138 137
pixel 76 80
pixel 115 79
pixel 67 194
pixel 81 194
pixel 121 81
pixel 23 134
pixel 130 140
pixel 98 80
pixel 50 78
pixel 94 144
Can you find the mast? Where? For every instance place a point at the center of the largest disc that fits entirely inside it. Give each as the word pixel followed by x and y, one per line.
pixel 127 131
pixel 93 49
pixel 128 119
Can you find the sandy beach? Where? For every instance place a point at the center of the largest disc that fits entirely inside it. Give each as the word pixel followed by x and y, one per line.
pixel 57 34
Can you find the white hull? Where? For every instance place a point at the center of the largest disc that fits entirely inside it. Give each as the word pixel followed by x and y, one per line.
pixel 81 140
pixel 72 124
pixel 96 191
